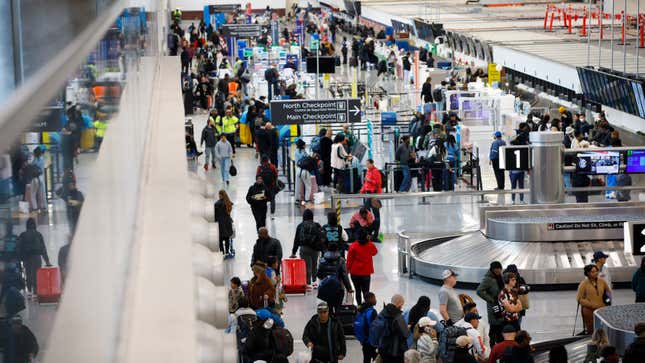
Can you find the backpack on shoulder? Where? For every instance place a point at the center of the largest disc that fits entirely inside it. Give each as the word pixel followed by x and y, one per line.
pixel 311 236
pixel 437 95
pixel 380 333
pixel 448 342
pixel 362 325
pixel 283 341
pixel 307 163
pixel 245 324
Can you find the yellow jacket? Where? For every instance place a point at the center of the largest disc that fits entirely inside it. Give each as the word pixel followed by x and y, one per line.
pixel 101 127
pixel 226 125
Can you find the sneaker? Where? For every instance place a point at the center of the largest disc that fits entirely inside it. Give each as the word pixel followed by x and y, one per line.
pixel 205 167
pixel 309 288
pixel 315 285
pixel 272 217
pixel 228 183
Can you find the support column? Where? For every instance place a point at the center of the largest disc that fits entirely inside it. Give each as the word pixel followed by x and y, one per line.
pixel 546 179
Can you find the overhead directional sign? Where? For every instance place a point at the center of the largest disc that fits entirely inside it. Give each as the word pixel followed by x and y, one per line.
pixel 242 30
pixel 313 111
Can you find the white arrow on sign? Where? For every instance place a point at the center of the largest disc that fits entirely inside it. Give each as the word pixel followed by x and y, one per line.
pixel 356 110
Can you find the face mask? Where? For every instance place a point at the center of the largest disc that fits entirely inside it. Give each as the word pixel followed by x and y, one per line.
pixel 268 324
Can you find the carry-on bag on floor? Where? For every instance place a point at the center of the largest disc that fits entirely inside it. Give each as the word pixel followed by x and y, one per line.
pixel 347 314
pixel 48 284
pixel 352 181
pixel 294 276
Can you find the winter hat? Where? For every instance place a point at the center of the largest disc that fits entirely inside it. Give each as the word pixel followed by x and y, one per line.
pixel 426 321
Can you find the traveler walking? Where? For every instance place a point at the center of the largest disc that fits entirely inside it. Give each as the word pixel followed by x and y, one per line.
pixel 334 233
pixel 638 282
pixel 272 76
pixel 229 126
pixel 360 264
pixel 509 300
pixel 489 290
pixel 261 289
pixel 36 185
pixel 24 345
pixel 344 50
pixel 332 273
pixel 636 350
pixel 30 249
pixel 426 91
pixel 269 174
pixel 223 209
pixel 258 197
pixel 74 202
pixel 508 333
pixel 389 332
pixel 324 336
pixel 593 293
pixel 209 137
pixel 449 303
pixel 494 159
pixel 403 156
pixel 425 337
pixel 309 239
pixel 365 315
pixel 223 154
pixel 600 260
pixel 265 247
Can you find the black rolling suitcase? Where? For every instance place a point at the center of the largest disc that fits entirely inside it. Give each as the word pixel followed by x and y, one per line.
pixel 190 128
pixel 347 314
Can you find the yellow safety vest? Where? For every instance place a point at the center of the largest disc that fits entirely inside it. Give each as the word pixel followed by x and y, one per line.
pixel 228 124
pixel 100 127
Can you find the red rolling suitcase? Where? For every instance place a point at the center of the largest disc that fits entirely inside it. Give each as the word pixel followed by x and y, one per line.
pixel 48 285
pixel 294 276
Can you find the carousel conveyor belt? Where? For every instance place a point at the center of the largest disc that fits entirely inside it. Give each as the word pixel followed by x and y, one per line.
pixel 540 263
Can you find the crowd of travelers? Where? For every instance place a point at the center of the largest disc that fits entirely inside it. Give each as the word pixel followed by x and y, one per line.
pixel 338 260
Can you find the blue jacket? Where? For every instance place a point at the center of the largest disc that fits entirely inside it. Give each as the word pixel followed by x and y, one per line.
pixel 494 149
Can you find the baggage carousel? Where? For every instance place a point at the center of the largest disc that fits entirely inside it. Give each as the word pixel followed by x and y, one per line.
pixel 550 244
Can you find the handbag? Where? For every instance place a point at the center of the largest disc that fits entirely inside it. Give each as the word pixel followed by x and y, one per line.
pixel 232 170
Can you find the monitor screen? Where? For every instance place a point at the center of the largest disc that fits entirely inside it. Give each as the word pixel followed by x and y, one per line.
pixel 325 65
pixel 598 162
pixel 635 161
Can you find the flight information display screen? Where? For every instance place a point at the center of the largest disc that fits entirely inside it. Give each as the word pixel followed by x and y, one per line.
pixel 635 161
pixel 598 162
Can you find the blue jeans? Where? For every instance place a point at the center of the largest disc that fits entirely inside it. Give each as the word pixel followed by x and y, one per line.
pixel 517 181
pixel 225 164
pixel 407 179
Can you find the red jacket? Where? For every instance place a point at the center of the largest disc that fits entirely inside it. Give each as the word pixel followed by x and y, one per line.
pixel 373 182
pixel 359 258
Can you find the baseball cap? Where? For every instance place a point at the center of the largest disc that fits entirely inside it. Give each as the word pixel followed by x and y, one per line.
pixel 471 316
pixel 498 134
pixel 263 314
pixel 323 306
pixel 562 109
pixel 447 273
pixel 508 328
pixel 598 255
pixel 426 321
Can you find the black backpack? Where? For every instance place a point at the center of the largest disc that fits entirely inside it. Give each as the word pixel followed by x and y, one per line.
pixel 437 96
pixel 307 163
pixel 311 236
pixel 245 324
pixel 448 341
pixel 267 175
